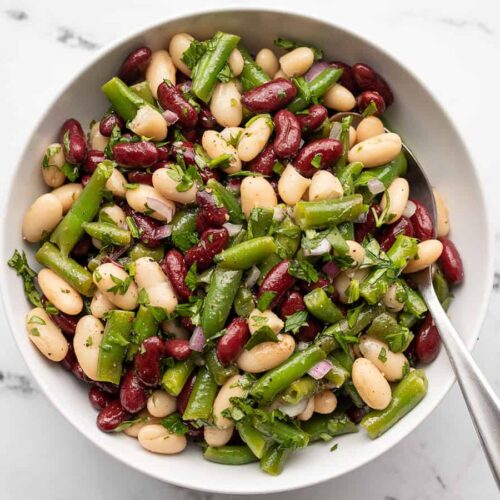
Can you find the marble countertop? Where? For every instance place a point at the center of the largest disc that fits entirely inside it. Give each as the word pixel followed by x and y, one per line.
pixel 453 46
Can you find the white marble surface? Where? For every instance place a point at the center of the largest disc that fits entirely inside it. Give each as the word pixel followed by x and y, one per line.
pixel 453 46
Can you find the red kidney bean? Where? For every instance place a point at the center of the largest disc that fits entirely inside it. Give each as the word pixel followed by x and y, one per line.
pixel 135 154
pixel 191 134
pixel 368 227
pixel 367 97
pixel 422 222
pixel 186 150
pixel 214 214
pixel 94 157
pixel 187 323
pixel 78 372
pixel 427 341
pixel 388 235
pixel 98 398
pixel 202 223
pixel 206 119
pixel 292 303
pixel 146 225
pixel 147 362
pixel 264 162
pixel 287 134
pixel 270 96
pixel 451 262
pixel 171 98
pixel 112 416
pixel 183 397
pixel 133 396
pixel 109 122
pixel 177 348
pixel 74 141
pixel 368 79
pixel 209 173
pixel 140 176
pixel 277 280
pixel 65 322
pixel 70 359
pixel 82 247
pixel 324 151
pixel 195 433
pixel 163 152
pixel 174 267
pixel 315 116
pixel 234 184
pixel 356 414
pixel 347 78
pixel 108 387
pixel 309 287
pixel 232 342
pixel 135 64
pixel 307 333
pixel 212 242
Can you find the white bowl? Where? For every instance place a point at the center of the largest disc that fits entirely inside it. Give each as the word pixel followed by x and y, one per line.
pixel 424 125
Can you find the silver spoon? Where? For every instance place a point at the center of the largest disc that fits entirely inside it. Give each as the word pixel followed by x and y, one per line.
pixel 483 404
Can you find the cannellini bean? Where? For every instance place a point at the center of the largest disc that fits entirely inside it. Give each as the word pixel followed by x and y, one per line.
pixel 146 419
pixel 53 161
pixel 46 336
pixel 353 136
pixel 391 301
pixel 215 146
pixel 324 186
pixel 179 43
pixel 236 62
pixel 428 252
pixel 325 402
pixel 161 404
pixel 254 138
pixel 42 217
pixel 258 319
pixel 100 305
pixel 160 68
pixel 369 127
pixel 343 280
pixel 217 437
pixel 268 61
pixel 256 192
pixel 356 252
pixel 167 187
pixel 230 389
pixel 149 122
pixel 281 74
pixel 86 343
pixel 339 98
pixel 137 199
pixel 376 150
pixel 172 327
pixel 116 214
pixel 97 141
pixel 297 61
pixel 59 292
pixel 68 194
pixel 232 134
pixel 442 220
pixel 292 185
pixel 149 275
pixel 391 364
pixel 399 192
pixel 108 286
pixel 308 412
pixel 266 355
pixel 157 439
pixel 371 385
pixel 116 184
pixel 226 106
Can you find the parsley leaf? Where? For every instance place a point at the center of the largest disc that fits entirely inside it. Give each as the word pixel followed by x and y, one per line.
pixel 70 171
pixel 191 278
pixel 129 423
pixel 50 153
pixel 304 91
pixel 316 161
pixel 19 262
pixel 265 300
pixel 175 424
pixel 221 161
pixel 382 355
pixel 303 270
pixel 263 334
pixel 225 75
pixel 132 226
pixel 296 321
pixel 194 53
pixel 191 309
pixel 120 286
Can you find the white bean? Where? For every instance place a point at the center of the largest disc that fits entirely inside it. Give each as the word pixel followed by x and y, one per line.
pixel 116 184
pixel 281 74
pixel 167 187
pixel 100 305
pixel 257 319
pixel 226 106
pixel 68 194
pixel 179 43
pixel 53 161
pixel 266 355
pixel 371 385
pixel 325 402
pixel 399 192
pixel 297 61
pixel 390 299
pixel 42 217
pixel 236 62
pixel 428 252
pixel 308 412
pixel 230 389
pixel 160 404
pixel 215 146
pixel 442 219
pixel 343 280
pixel 86 343
pixel 97 141
pixel 217 437
pixel 254 138
pixel 160 68
pixel 292 185
pixel 391 364
pixel 157 439
pixel 325 186
pixel 339 98
pixel 146 419
pixel 112 288
pixel 369 127
pixel 353 136
pixel 356 252
pixel 268 61
pixel 59 292
pixel 115 214
pixel 148 122
pixel 46 336
pixel 256 192
pixel 137 199
pixel 377 150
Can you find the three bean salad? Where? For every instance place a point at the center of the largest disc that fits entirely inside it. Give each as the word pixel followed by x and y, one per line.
pixel 227 261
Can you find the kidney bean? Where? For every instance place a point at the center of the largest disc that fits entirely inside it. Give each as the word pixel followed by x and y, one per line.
pixel 388 235
pixel 368 227
pixel 78 372
pixel 212 242
pixel 187 323
pixel 174 267
pixel 195 433
pixel 347 78
pixel 82 247
pixel 186 150
pixel 368 96
pixel 356 414
pixel 191 134
pixel 324 151
pixel 214 215
pixel 209 173
pixel 108 387
pixel 70 359
pixel 133 396
pixel 234 184
pixel 277 280
pixel 147 362
pixel 177 348
pixel 74 141
pixel 307 333
pixel 94 157
pixel 146 225
pixel 451 262
pixel 134 66
pixel 112 416
pixel 427 341
pixel 287 134
pixel 206 119
pixel 202 223
pixel 232 342
pixel 183 397
pixel 292 303
pixel 65 322
pixel 264 162
pixel 422 222
pixel 315 116
pixel 270 96
pixel 309 287
pixel 135 154
pixel 109 122
pixel 171 98
pixel 140 177
pixel 163 152
pixel 98 398
pixel 368 79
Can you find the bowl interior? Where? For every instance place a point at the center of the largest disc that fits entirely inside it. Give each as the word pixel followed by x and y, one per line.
pixel 415 115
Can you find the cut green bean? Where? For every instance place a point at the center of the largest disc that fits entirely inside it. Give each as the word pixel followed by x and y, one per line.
pixel 254 439
pixel 143 90
pixel 286 435
pixel 300 389
pixel 346 175
pixel 184 234
pixel 252 75
pixel 175 377
pixel 247 254
pixel 326 427
pixel 202 397
pixel 321 306
pixel 338 374
pixel 219 372
pixel 274 460
pixel 244 302
pixel 230 455
pixel 108 234
pixel 145 325
pixel 140 250
pixel 226 198
pixel 124 100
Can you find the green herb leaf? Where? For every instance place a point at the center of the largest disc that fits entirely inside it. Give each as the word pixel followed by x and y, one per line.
pixel 225 75
pixel 132 226
pixel 70 171
pixel 191 278
pixel 120 286
pixel 369 110
pixel 50 153
pixel 221 161
pixel 263 334
pixel 382 355
pixel 303 270
pixel 19 262
pixel 36 320
pixel 191 309
pixel 296 321
pixel 265 300
pixel 175 424
pixel 129 423
pixel 194 53
pixel 304 91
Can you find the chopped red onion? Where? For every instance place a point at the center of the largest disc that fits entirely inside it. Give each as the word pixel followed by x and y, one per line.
pixel 361 218
pixel 315 70
pixel 170 117
pixel 161 208
pixel 252 277
pixel 410 209
pixel 197 341
pixel 320 369
pixel 323 247
pixel 331 269
pixel 232 229
pixel 375 186
pixel 293 410
pixel 163 231
pixel 279 213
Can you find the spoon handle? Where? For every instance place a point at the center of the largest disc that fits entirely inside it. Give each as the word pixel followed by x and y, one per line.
pixel 483 404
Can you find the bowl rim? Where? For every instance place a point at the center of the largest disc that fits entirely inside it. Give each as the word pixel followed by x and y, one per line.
pixel 148 26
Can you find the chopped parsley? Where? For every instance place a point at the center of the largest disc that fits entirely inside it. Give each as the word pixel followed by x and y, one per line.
pixel 191 309
pixel 19 262
pixel 316 161
pixel 174 424
pixel 382 355
pixel 222 161
pixel 296 321
pixel 303 270
pixel 265 300
pixel 191 278
pixel 120 287
pixel 50 153
pixel 263 334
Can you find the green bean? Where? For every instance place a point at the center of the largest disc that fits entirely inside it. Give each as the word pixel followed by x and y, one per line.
pixel 246 254
pixel 338 374
pixel 113 347
pixel 65 267
pixel 124 100
pixel 402 250
pixel 184 234
pixel 140 250
pixel 300 389
pixel 244 302
pixel 407 394
pixel 350 390
pixel 346 175
pixel 145 325
pixel 407 319
pixel 259 222
pixel 84 209
pixel 252 75
pixel 219 372
pixel 274 459
pixel 285 434
pixel 175 377
pixel 321 306
pixel 202 397
pixel 252 438
pixel 239 238
pixel 230 455
pixel 143 90
pixel 227 199
pixel 108 234
pixel 326 427
pixel 440 285
pixel 211 64
pixel 326 343
pixel 344 359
